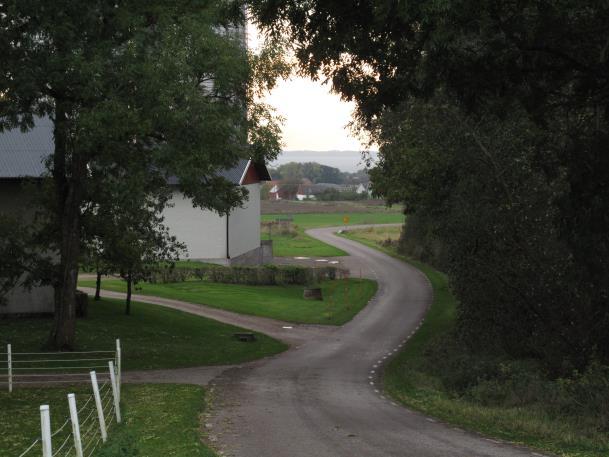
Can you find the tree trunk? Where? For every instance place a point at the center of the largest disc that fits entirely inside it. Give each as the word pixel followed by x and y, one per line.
pixel 128 303
pixel 98 286
pixel 68 178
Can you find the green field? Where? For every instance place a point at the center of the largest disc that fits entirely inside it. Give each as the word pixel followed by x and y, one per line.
pixel 409 378
pixel 343 299
pixel 158 420
pixel 303 245
pixel 152 337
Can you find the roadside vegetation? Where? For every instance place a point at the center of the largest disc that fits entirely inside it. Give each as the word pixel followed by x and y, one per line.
pixel 507 398
pixel 158 420
pixel 343 298
pixel 292 241
pixel 152 337
pixel 290 207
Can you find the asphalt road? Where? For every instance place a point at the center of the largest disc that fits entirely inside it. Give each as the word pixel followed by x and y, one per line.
pixel 323 398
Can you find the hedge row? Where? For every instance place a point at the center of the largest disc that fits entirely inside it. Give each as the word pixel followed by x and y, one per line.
pixel 267 275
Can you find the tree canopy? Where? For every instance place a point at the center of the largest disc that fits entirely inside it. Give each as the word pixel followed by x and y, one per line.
pixel 492 120
pixel 132 87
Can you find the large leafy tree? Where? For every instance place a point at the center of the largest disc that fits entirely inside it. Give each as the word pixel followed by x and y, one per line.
pixel 130 85
pixel 491 76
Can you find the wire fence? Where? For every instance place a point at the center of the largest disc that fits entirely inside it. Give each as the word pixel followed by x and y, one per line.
pixel 90 419
pixel 57 368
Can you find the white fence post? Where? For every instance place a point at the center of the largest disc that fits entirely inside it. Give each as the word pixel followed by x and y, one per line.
pixel 10 367
pixel 100 409
pixel 45 428
pixel 117 406
pixel 119 374
pixel 75 425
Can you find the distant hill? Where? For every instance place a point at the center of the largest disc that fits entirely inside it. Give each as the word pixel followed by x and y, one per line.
pixel 313 172
pixel 346 161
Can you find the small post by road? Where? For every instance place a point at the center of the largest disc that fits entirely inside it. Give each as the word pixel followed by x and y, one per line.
pixel 346 221
pixel 10 367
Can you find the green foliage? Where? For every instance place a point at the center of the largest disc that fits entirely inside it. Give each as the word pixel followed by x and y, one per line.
pixel 267 275
pixel 493 125
pixel 337 195
pixel 309 170
pixel 138 92
pixel 503 397
pixel 488 214
pixel 122 443
pixel 16 260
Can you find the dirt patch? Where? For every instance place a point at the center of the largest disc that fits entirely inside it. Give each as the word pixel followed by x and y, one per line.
pixel 296 207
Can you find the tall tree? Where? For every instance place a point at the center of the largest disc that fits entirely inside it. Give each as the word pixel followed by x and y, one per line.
pixel 130 85
pixel 534 67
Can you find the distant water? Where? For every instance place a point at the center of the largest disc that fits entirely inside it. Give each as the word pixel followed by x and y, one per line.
pixel 348 161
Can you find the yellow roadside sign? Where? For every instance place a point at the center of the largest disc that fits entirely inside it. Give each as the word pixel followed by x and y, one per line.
pixel 345 219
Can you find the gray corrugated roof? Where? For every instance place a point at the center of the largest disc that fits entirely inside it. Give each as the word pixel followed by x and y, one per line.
pixel 232 174
pixel 235 174
pixel 22 154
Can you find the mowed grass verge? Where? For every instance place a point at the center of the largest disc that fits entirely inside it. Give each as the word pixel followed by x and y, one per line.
pixel 152 337
pixel 158 420
pixel 408 380
pixel 303 245
pixel 343 298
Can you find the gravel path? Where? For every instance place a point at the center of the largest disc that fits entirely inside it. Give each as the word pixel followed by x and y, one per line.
pixel 323 397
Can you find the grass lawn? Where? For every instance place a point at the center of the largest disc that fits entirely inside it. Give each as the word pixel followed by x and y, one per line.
pixel 152 337
pixel 158 420
pixel 343 299
pixel 191 264
pixel 304 245
pixel 407 380
pixel 301 245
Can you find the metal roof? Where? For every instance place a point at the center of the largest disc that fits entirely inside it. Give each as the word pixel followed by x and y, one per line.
pixel 235 174
pixel 22 154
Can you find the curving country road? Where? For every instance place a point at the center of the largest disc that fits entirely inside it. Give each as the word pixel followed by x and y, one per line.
pixel 322 399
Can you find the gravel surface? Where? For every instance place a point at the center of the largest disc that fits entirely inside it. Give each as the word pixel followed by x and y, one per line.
pixel 324 398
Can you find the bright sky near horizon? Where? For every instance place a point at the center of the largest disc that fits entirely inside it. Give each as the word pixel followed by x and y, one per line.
pixel 315 118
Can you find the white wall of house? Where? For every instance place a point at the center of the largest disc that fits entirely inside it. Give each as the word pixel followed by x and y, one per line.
pixel 13 201
pixel 244 224
pixel 38 300
pixel 203 232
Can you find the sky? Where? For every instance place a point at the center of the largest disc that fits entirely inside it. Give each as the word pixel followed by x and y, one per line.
pixel 315 118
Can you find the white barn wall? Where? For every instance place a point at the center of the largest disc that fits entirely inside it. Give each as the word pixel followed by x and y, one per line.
pixel 244 224
pixel 203 232
pixel 38 300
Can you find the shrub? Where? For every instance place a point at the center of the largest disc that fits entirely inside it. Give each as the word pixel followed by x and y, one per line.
pixel 121 444
pixel 250 275
pixel 280 227
pixel 499 381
